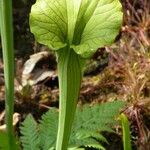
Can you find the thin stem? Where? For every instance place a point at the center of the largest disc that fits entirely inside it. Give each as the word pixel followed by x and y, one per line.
pixel 126 132
pixel 8 56
pixel 70 74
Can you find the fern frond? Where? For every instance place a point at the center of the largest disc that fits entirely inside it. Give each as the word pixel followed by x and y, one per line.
pixel 99 147
pixel 77 142
pixel 86 131
pixel 83 134
pixel 29 131
pixel 98 117
pixel 76 148
pixel 48 129
pixel 90 121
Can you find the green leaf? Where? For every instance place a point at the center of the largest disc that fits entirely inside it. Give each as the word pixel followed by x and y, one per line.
pixel 99 147
pixel 83 24
pixel 90 121
pixel 97 117
pixel 86 131
pixel 126 132
pixel 75 148
pixel 29 131
pixel 83 134
pixel 48 22
pixel 48 129
pixel 100 29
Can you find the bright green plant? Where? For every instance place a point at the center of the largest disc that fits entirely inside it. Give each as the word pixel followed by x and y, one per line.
pixel 8 57
pixel 126 132
pixel 87 127
pixel 30 141
pixel 74 29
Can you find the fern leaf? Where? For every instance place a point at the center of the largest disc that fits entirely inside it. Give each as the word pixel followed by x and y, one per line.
pixel 98 117
pixel 90 121
pixel 75 148
pixel 83 134
pixel 29 131
pixel 99 147
pixel 87 127
pixel 48 129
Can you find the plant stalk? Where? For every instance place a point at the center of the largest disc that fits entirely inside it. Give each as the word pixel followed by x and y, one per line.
pixel 70 75
pixel 126 132
pixel 8 58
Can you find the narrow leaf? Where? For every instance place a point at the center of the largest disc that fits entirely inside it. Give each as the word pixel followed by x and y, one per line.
pixel 126 132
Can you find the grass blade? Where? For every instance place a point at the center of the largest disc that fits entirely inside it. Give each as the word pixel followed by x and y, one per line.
pixel 126 132
pixel 8 57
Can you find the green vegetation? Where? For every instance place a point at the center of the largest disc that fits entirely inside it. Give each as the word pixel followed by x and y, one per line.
pixel 8 58
pixel 126 132
pixel 89 123
pixel 75 30
pixel 73 40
